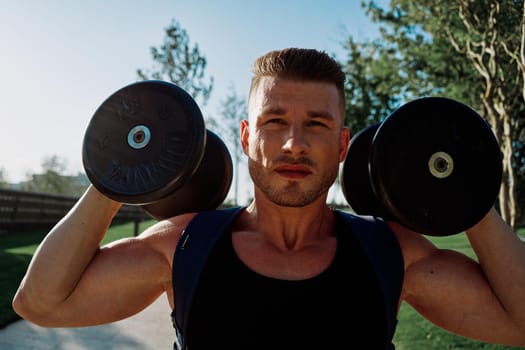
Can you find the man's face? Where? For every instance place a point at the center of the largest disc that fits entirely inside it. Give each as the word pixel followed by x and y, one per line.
pixel 294 140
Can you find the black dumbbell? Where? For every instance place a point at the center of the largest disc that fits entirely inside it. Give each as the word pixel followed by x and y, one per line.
pixel 147 145
pixel 433 165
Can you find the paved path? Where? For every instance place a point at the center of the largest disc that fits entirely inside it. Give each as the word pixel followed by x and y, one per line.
pixel 149 330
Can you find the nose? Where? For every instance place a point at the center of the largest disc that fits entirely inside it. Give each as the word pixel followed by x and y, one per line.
pixel 295 141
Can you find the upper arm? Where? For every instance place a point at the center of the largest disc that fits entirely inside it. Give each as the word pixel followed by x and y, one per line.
pixel 122 279
pixel 450 290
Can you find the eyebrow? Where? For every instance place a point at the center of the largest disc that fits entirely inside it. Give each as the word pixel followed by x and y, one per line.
pixel 275 110
pixel 321 115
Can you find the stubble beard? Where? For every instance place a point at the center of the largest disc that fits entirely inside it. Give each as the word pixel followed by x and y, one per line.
pixel 291 195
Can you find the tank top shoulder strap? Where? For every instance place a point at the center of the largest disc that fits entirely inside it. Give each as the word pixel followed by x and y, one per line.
pixel 194 246
pixel 383 250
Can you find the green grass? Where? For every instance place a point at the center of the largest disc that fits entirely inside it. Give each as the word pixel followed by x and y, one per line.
pixel 16 251
pixel 413 331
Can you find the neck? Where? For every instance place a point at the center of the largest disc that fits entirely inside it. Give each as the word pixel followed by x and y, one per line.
pixel 291 228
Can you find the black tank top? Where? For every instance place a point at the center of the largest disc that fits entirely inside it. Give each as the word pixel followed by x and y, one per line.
pixel 237 308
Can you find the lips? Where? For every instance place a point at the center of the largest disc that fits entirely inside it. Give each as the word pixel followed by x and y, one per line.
pixel 293 171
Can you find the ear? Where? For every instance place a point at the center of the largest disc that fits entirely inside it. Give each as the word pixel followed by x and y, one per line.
pixel 245 133
pixel 344 140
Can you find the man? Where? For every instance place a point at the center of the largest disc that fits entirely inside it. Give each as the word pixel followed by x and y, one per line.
pixel 286 276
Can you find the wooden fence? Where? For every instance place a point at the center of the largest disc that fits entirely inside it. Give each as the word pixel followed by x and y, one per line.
pixel 22 211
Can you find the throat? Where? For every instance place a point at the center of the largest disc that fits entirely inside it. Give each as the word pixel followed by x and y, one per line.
pixel 294 238
pixel 293 264
pixel 290 244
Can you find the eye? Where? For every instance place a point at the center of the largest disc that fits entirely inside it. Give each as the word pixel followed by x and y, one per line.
pixel 317 123
pixel 275 121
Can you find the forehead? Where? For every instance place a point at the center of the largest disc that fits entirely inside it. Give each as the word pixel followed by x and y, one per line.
pixel 286 93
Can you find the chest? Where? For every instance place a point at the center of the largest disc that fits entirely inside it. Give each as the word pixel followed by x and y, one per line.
pixel 264 259
pixel 268 312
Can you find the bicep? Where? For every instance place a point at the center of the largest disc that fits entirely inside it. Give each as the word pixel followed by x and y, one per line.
pixel 451 291
pixel 122 279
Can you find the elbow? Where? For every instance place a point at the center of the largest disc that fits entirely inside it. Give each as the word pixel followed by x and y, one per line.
pixel 22 306
pixel 29 309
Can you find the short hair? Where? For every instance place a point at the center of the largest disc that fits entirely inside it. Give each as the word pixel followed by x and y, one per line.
pixel 299 64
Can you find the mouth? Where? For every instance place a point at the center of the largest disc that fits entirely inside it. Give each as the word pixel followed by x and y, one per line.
pixel 292 171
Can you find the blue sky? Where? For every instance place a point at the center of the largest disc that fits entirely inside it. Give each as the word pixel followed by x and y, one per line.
pixel 60 59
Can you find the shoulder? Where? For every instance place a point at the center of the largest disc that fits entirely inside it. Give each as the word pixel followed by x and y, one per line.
pixel 414 246
pixel 375 236
pixel 365 225
pixel 171 227
pixel 164 235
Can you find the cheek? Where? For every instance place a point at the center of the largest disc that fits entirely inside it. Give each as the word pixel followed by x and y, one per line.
pixel 251 146
pixel 256 149
pixel 329 152
pixel 260 150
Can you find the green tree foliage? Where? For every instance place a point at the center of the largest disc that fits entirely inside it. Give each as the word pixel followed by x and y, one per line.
pixel 53 180
pixel 467 50
pixel 373 84
pixel 181 62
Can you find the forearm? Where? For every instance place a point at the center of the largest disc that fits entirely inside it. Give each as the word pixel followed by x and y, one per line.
pixel 62 257
pixel 501 255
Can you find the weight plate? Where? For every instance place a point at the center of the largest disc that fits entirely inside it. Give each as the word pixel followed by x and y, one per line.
pixel 436 166
pixel 206 189
pixel 143 142
pixel 355 176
